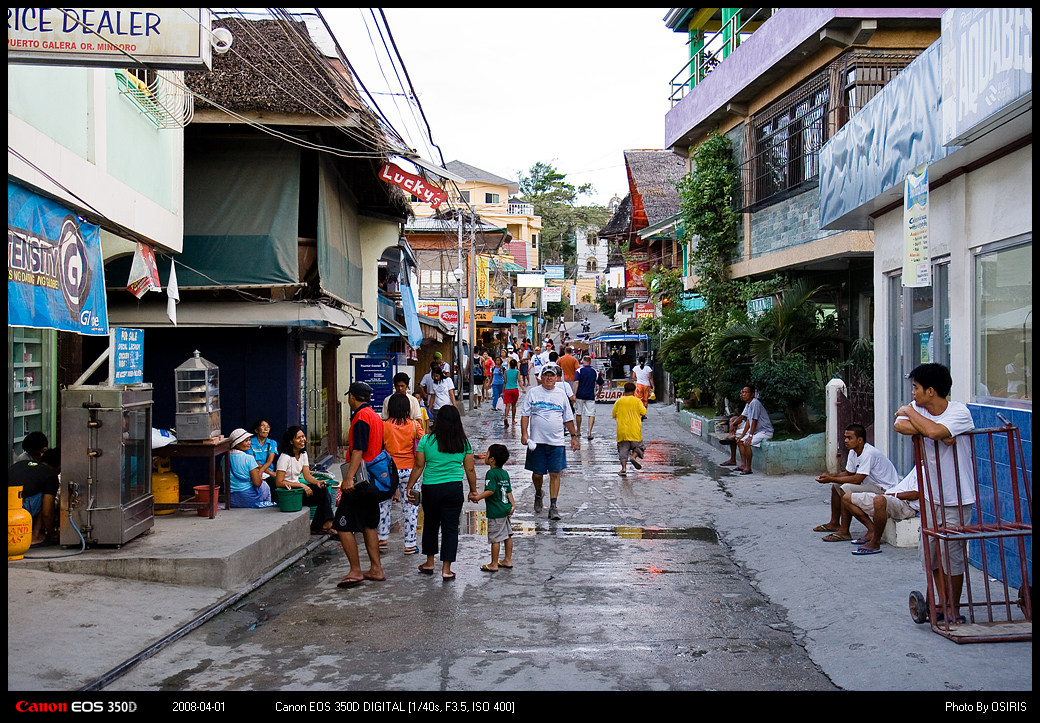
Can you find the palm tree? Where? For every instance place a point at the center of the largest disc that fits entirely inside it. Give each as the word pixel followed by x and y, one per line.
pixel 785 339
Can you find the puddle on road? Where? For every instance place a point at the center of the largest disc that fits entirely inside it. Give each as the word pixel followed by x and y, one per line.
pixel 474 522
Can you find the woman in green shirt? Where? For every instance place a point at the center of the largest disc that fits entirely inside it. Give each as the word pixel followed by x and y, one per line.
pixel 441 459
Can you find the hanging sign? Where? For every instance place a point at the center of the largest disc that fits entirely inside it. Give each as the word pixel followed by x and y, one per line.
pixel 917 259
pixel 413 184
pixel 55 276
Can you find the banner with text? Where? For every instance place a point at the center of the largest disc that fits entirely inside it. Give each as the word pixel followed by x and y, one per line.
pixel 55 275
pixel 917 259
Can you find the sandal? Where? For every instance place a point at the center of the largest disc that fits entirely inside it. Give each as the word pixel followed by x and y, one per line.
pixel 835 537
pixel 425 570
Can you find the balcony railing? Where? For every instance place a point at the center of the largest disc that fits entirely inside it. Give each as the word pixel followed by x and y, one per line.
pixel 714 49
pixel 520 209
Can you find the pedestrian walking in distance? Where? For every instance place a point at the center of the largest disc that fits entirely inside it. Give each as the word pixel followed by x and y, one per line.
pixel 629 413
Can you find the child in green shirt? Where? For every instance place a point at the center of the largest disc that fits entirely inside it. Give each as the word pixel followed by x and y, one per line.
pixel 499 495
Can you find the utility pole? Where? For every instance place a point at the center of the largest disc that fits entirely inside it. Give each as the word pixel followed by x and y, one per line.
pixel 471 290
pixel 458 321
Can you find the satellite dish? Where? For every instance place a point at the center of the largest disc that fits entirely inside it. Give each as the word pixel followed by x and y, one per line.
pixel 221 40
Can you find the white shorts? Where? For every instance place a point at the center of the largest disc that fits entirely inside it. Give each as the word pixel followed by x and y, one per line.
pixel 897 509
pixel 953 553
pixel 757 440
pixel 585 407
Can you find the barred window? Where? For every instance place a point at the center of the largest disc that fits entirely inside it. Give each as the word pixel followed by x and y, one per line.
pixel 784 140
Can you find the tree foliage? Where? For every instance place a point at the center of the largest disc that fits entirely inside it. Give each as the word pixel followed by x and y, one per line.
pixel 555 200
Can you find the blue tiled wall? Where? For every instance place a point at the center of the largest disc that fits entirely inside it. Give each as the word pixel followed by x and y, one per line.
pixel 999 491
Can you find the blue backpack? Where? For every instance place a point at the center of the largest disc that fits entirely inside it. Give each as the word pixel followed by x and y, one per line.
pixel 382 476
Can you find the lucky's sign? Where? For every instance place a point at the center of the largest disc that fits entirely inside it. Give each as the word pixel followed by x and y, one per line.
pixel 413 184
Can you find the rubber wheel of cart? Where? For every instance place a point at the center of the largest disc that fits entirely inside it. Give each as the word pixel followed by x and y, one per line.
pixel 918 607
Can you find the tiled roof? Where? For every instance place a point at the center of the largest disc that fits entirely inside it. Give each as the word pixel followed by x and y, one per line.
pixel 472 173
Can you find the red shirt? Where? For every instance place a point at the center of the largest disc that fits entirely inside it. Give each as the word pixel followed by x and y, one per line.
pixel 366 429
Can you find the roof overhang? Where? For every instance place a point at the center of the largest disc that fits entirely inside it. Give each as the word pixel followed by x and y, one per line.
pixel 246 314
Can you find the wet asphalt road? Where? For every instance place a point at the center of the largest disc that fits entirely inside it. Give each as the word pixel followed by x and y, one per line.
pixel 631 590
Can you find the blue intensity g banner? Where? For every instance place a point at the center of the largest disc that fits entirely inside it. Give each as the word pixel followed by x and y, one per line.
pixel 55 276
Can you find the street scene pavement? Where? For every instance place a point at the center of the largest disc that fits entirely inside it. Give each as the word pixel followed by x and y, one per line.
pixel 681 576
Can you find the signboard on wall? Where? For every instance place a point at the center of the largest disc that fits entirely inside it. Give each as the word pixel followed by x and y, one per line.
pixel 637 263
pixel 377 371
pixel 987 70
pixel 126 358
pixel 55 276
pixel 164 38
pixel 644 310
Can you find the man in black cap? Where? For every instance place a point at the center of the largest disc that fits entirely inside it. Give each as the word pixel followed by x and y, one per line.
pixel 357 513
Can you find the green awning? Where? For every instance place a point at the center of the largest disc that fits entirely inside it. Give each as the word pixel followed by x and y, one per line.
pixel 507 266
pixel 241 213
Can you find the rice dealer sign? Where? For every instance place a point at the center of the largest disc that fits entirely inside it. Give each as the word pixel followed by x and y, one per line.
pixel 164 38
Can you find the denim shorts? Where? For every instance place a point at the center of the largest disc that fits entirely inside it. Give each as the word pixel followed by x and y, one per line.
pixel 545 458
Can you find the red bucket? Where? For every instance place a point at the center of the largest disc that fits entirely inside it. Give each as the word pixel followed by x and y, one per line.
pixel 202 497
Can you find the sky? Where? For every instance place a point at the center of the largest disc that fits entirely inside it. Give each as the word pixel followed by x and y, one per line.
pixel 504 89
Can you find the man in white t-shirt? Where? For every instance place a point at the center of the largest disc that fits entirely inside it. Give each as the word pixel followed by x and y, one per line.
pixel 874 510
pixel 947 456
pixel 544 413
pixel 437 389
pixel 643 376
pixel 867 470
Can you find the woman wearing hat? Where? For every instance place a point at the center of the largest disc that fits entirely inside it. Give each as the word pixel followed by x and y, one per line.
pixel 248 488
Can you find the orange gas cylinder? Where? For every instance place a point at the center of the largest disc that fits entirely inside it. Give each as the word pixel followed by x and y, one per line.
pixel 166 486
pixel 19 525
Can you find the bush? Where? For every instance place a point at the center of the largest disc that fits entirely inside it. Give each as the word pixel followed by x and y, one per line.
pixel 785 384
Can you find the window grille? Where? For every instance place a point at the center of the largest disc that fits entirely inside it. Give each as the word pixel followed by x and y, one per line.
pixel 784 140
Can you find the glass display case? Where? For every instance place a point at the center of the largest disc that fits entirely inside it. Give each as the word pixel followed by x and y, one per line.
pixel 197 382
pixel 106 464
pixel 31 406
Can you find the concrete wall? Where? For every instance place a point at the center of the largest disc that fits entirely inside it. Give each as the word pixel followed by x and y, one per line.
pixel 74 126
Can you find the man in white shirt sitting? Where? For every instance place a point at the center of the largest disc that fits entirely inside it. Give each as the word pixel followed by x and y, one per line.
pixel 867 470
pixel 874 510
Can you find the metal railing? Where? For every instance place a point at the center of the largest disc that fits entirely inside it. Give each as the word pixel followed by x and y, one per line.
pixel 716 47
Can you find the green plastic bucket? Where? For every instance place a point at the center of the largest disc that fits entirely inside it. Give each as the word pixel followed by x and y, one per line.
pixel 290 500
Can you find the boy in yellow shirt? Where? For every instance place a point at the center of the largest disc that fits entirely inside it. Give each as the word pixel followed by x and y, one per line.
pixel 629 413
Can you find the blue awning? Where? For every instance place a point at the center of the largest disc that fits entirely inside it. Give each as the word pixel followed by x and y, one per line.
pixel 392 328
pixel 503 320
pixel 620 337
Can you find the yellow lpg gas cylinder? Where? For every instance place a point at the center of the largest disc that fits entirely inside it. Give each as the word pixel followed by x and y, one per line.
pixel 166 486
pixel 19 525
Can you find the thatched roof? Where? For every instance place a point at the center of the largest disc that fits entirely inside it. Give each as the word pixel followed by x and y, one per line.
pixel 621 222
pixel 274 66
pixel 652 176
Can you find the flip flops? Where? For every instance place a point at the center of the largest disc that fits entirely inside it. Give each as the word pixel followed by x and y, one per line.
pixel 486 568
pixel 822 528
pixel 349 583
pixel 374 578
pixel 866 551
pixel 860 541
pixel 835 537
pixel 425 570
